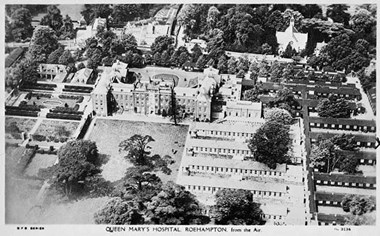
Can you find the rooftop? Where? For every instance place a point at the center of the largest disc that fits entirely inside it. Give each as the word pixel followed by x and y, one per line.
pixel 241 128
pixel 230 183
pixel 230 163
pixel 216 144
pixel 345 178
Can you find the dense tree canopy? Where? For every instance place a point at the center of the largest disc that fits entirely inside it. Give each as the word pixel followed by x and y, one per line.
pixel 271 144
pixel 175 206
pixel 43 43
pixel 20 27
pixel 278 115
pixel 53 18
pixel 235 207
pixel 119 212
pixel 79 163
pixel 358 205
pixel 333 107
pixel 327 155
pixel 137 153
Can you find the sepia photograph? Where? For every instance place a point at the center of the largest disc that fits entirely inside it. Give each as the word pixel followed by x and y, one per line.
pixel 201 115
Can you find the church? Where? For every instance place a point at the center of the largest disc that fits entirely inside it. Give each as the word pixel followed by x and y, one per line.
pixel 291 35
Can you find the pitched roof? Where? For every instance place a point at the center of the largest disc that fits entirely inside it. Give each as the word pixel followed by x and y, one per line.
pixel 231 183
pixel 230 163
pixel 216 144
pixel 342 121
pixel 345 178
pixel 239 128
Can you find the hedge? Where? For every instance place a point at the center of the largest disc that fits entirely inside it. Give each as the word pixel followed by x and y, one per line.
pixel 39 137
pixel 73 97
pixel 63 116
pixel 70 110
pixel 21 113
pixel 24 106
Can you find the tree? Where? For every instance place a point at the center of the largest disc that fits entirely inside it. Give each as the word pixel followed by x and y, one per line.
pixel 183 57
pixel 212 17
pixel 53 18
pixel 55 55
pixel 175 206
pixel 137 154
pixel 66 58
pixel 333 107
pixel 119 212
pixel 67 29
pixel 289 51
pixel 43 43
pixel 252 94
pixel 78 162
pixel 95 59
pixel 138 184
pixel 92 11
pixel 235 206
pixel 327 155
pixel 232 65
pixel 165 58
pixel 364 25
pixel 201 62
pixel 278 115
pixel 25 72
pixel 123 13
pixel 196 52
pixel 266 48
pixel 21 24
pixel 270 144
pixel 163 43
pixel 222 65
pixel 357 205
pixel 337 12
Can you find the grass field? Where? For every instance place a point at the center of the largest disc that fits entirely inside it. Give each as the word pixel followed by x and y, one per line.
pixel 169 140
pixel 40 161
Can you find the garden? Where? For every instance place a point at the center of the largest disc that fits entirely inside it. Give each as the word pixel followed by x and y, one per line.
pixel 169 140
pixel 15 126
pixel 54 131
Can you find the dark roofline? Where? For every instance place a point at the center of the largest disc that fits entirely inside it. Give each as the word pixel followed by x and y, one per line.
pixel 345 178
pixel 357 137
pixel 342 121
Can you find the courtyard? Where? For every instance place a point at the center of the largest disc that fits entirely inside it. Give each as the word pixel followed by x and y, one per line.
pixel 183 76
pixel 169 140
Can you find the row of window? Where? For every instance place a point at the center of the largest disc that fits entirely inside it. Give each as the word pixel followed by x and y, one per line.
pixel 221 150
pixel 346 184
pixel 225 133
pixel 214 189
pixel 361 144
pixel 355 127
pixel 236 170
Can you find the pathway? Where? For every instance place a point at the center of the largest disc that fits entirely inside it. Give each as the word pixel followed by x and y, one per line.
pixel 34 129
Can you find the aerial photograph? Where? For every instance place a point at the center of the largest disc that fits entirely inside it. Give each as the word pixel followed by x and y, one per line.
pixel 190 114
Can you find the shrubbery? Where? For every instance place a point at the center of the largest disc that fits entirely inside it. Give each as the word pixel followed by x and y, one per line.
pixel 63 116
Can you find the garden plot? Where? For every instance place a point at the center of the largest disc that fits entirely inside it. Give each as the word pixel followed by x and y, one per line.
pixel 23 124
pixel 15 126
pixel 40 161
pixel 169 140
pixel 54 132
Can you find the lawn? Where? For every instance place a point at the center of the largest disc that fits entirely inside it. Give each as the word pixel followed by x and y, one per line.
pixel 49 127
pixel 40 161
pixel 169 140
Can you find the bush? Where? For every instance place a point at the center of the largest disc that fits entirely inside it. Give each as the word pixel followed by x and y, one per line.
pixel 21 113
pixel 80 99
pixel 39 137
pixel 63 139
